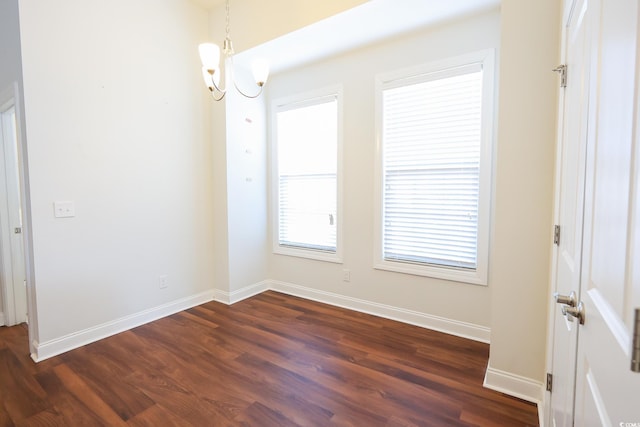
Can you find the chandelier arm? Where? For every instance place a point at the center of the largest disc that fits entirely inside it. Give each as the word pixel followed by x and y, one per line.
pixel 215 98
pixel 244 94
pixel 216 92
pixel 233 79
pixel 222 91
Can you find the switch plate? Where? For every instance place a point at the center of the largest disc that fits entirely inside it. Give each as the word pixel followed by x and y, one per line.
pixel 64 209
pixel 163 281
pixel 346 275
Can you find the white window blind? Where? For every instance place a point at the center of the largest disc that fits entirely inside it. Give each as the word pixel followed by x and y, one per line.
pixel 307 146
pixel 431 150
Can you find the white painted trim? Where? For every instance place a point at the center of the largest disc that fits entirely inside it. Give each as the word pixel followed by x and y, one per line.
pixel 244 293
pixel 74 340
pixel 542 409
pixel 436 323
pixel 406 76
pixel 299 100
pixel 514 385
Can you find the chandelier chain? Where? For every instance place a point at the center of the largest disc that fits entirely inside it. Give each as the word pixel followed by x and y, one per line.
pixel 227 22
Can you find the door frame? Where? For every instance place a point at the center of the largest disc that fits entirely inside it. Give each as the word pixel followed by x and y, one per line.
pixel 552 306
pixel 11 96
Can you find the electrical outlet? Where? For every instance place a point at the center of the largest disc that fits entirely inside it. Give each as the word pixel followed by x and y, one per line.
pixel 346 275
pixel 64 209
pixel 163 281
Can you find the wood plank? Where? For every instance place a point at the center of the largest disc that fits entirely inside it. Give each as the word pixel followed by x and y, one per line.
pixel 270 360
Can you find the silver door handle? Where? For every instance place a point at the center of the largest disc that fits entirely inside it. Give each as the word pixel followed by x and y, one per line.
pixel 574 312
pixel 569 300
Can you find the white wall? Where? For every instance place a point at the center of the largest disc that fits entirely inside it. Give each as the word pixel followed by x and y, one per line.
pixel 514 303
pixel 246 186
pixel 118 122
pixel 239 178
pixel 356 72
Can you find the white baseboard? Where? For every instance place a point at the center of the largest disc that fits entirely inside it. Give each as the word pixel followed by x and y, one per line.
pixel 542 410
pixel 495 379
pixel 244 293
pixel 514 385
pixel 63 344
pixel 441 324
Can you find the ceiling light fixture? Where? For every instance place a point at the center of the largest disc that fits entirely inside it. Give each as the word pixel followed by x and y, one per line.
pixel 210 57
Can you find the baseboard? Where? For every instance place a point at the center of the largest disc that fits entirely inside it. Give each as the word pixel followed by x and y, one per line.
pixel 514 385
pixel 542 410
pixel 63 344
pixel 244 293
pixel 441 324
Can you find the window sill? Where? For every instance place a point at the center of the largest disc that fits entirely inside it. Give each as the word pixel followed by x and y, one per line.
pixel 472 277
pixel 308 253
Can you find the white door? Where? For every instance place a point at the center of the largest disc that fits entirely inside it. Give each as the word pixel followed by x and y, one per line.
pixel 607 391
pixel 11 236
pixel 569 214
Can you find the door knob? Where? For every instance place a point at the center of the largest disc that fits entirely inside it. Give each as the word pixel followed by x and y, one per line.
pixel 569 300
pixel 574 312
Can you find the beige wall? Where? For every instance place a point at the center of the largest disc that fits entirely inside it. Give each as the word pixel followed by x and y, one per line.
pixel 246 186
pixel 522 243
pixel 356 72
pixel 117 122
pixel 514 304
pixel 240 216
pixel 121 125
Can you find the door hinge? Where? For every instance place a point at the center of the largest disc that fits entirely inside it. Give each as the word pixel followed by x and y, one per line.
pixel 549 381
pixel 17 230
pixel 556 235
pixel 562 70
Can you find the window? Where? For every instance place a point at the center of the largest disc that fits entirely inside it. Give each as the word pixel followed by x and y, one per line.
pixel 434 169
pixel 306 180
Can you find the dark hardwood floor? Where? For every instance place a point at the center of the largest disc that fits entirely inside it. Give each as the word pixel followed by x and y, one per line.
pixel 271 360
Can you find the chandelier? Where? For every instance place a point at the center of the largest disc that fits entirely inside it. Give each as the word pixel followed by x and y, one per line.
pixel 210 57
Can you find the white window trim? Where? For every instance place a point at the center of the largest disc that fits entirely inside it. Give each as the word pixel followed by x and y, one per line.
pixel 479 276
pixel 301 100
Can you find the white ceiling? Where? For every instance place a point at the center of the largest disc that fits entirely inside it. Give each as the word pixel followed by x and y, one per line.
pixel 359 26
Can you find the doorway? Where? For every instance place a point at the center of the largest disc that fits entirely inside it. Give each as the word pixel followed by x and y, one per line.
pixel 12 255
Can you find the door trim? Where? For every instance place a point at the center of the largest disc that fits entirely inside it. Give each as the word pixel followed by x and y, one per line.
pixel 7 249
pixel 544 408
pixel 13 94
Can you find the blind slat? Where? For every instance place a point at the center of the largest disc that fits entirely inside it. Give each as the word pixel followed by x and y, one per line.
pixel 431 169
pixel 307 175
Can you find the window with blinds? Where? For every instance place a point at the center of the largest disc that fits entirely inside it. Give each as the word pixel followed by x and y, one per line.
pixel 433 137
pixel 306 144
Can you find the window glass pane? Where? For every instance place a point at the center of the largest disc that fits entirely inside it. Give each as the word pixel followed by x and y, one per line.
pixel 432 132
pixel 307 175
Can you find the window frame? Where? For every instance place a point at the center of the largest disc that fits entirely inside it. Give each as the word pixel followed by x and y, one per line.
pixel 300 100
pixel 422 73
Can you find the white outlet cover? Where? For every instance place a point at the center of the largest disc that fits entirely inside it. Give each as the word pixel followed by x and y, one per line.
pixel 64 209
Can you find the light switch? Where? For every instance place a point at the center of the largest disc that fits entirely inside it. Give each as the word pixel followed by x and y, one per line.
pixel 64 209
